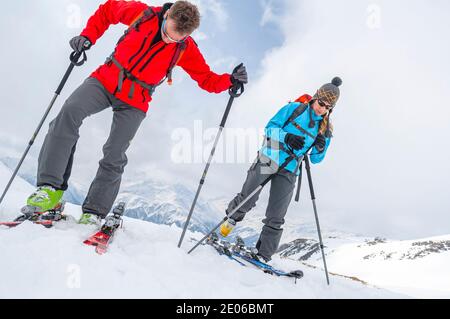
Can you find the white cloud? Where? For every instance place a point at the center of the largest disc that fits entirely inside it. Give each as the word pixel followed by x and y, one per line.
pixel 268 13
pixel 216 9
pixel 227 63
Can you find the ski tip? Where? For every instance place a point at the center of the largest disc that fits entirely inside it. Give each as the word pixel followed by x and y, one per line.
pixel 297 274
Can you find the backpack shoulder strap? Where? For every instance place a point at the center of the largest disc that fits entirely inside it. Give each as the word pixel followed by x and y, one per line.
pixel 181 48
pixel 146 15
pixel 297 112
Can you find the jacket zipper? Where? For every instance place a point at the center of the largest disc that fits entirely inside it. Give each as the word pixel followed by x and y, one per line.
pixel 140 49
pixel 143 56
pixel 151 58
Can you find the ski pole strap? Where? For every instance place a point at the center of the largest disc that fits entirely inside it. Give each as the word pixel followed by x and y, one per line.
pixel 236 90
pixel 125 74
pixel 75 56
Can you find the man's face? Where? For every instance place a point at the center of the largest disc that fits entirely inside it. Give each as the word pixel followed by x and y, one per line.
pixel 168 31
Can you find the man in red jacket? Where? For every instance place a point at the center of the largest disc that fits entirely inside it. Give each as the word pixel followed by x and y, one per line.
pixel 157 40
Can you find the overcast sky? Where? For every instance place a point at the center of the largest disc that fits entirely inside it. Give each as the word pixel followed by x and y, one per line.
pixel 386 172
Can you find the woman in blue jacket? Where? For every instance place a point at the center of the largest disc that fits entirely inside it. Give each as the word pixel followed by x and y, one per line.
pixel 290 134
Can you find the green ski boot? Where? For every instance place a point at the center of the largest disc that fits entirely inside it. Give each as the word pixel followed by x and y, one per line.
pixel 90 219
pixel 45 198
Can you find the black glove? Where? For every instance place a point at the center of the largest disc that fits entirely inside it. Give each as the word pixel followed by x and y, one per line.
pixel 295 141
pixel 239 75
pixel 80 43
pixel 320 143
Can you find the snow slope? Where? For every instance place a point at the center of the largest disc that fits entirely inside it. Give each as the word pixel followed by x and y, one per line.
pixel 415 267
pixel 143 262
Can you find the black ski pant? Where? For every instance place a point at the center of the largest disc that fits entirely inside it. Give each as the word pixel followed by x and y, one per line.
pixel 57 153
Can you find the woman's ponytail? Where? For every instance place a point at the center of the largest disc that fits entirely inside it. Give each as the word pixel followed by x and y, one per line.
pixel 326 128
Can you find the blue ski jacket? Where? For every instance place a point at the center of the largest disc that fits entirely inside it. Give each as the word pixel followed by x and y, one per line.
pixel 275 134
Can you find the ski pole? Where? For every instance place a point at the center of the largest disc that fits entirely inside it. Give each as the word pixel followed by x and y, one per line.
pixel 261 186
pixel 299 183
pixel 233 94
pixel 313 198
pixel 74 61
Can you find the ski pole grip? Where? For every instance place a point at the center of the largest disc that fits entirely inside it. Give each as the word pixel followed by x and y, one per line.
pixel 75 55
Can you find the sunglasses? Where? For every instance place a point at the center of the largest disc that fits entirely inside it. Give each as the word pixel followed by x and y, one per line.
pixel 323 104
pixel 164 31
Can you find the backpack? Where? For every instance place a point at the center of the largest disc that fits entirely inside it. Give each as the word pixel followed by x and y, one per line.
pixel 304 99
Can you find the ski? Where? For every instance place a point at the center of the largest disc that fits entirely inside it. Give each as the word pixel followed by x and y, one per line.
pixel 269 269
pixel 31 213
pixel 247 256
pixel 102 238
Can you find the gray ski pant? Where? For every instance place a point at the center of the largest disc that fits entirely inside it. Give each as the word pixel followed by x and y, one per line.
pixel 57 152
pixel 281 191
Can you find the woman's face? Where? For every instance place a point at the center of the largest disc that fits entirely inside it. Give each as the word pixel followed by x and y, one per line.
pixel 319 109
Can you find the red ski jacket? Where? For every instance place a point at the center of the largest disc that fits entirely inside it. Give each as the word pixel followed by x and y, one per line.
pixel 145 64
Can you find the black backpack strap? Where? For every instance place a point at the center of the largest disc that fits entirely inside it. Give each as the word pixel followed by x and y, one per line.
pixel 297 112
